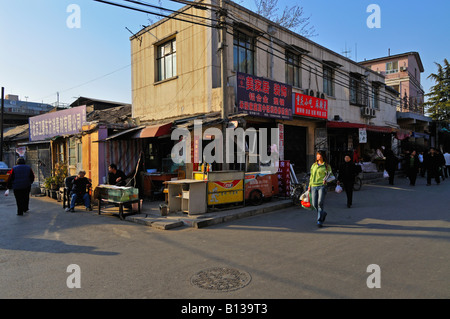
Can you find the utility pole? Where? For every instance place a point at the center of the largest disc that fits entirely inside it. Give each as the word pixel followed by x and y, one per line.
pixel 222 12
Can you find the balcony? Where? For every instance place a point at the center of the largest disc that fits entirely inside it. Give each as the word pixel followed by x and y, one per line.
pixel 411 105
pixel 403 75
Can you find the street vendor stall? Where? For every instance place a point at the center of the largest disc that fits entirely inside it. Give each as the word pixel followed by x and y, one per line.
pixel 117 195
pixel 223 187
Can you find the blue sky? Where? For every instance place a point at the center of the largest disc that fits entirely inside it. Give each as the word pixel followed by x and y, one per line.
pixel 40 55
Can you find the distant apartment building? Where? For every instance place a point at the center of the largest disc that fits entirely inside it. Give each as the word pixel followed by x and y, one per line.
pixel 402 73
pixel 17 112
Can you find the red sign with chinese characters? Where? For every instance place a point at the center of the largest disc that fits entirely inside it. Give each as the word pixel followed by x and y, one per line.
pixel 310 106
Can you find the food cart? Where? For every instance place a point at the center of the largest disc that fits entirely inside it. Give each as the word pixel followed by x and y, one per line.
pixel 260 185
pixel 223 187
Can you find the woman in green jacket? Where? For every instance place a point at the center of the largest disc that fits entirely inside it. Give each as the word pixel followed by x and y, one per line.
pixel 318 185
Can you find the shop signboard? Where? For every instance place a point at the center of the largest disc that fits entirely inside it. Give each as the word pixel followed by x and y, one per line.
pixel 65 122
pixel 310 106
pixel 362 135
pixel 223 192
pixel 264 98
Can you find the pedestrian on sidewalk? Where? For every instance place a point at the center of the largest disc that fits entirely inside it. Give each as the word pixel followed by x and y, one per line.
pixel 421 167
pixel 320 170
pixel 391 165
pixel 431 162
pixel 441 164
pixel 447 164
pixel 412 167
pixel 347 175
pixel 20 181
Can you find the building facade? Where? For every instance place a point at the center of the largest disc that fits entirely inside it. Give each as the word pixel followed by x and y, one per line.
pixel 402 73
pixel 178 70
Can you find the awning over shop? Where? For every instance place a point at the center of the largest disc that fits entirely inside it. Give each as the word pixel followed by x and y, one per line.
pixel 117 135
pixel 373 128
pixel 153 131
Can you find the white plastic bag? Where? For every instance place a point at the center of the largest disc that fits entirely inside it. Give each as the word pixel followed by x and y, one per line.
pixel 385 174
pixel 338 189
pixel 305 197
pixel 7 192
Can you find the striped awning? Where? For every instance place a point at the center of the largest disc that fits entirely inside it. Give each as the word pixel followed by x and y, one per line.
pixel 153 131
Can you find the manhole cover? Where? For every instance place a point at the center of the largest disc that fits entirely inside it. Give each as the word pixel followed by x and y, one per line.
pixel 221 279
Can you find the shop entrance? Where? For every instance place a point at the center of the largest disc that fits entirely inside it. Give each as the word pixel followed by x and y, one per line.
pixel 295 147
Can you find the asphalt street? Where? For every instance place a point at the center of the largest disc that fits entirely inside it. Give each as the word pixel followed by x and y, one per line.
pixel 402 229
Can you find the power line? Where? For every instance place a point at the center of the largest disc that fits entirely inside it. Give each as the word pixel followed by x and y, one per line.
pixel 90 81
pixel 336 71
pixel 169 10
pixel 155 13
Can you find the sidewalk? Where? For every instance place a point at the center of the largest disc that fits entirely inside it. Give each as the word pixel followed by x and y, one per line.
pixel 150 215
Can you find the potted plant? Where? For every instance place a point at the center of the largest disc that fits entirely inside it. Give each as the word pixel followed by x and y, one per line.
pixel 48 182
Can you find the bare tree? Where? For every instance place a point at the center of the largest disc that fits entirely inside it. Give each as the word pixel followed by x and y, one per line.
pixel 292 18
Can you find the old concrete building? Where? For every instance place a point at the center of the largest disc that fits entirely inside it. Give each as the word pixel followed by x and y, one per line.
pixel 177 72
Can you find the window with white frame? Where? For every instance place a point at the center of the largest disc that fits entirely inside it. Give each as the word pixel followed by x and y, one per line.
pixel 166 60
pixel 391 67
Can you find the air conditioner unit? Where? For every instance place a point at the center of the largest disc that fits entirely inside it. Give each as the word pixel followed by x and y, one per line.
pixel 311 93
pixel 372 112
pixel 365 111
pixel 403 68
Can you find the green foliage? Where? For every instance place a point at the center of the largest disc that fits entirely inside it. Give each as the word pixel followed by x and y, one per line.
pixel 439 97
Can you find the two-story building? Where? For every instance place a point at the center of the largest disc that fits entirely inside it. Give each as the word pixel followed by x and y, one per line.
pixel 185 65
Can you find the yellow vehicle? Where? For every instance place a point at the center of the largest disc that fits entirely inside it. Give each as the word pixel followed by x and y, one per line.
pixel 5 172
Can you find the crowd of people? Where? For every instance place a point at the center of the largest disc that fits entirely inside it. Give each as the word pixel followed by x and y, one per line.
pixel 434 164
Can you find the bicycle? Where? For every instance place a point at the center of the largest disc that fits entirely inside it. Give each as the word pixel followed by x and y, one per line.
pixel 299 188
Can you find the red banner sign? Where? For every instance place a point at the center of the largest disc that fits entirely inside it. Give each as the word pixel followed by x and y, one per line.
pixel 310 106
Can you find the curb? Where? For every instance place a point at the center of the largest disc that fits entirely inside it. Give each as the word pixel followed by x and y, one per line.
pixel 215 218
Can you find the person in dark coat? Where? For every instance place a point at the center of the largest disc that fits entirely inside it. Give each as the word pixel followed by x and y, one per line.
pixel 431 163
pixel 412 167
pixel 20 181
pixel 391 165
pixel 116 176
pixel 79 190
pixel 347 174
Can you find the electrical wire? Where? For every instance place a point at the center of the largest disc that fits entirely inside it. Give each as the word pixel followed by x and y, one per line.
pixel 155 13
pixel 337 81
pixel 169 10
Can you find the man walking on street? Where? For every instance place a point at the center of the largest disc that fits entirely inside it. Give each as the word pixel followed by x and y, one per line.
pixel 412 167
pixel 431 162
pixel 20 181
pixel 447 164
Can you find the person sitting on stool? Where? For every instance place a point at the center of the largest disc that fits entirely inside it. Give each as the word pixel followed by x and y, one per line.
pixel 79 186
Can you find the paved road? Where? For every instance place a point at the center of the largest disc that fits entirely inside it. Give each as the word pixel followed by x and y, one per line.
pixel 404 230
